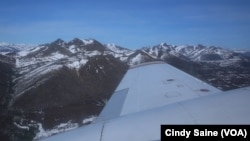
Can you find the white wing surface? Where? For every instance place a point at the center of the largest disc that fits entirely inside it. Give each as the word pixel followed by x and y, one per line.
pixel 154 94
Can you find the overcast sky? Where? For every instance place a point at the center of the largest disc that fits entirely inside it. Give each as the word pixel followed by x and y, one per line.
pixel 128 23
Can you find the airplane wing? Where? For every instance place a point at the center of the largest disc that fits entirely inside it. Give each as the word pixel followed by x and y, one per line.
pixel 156 93
pixel 153 85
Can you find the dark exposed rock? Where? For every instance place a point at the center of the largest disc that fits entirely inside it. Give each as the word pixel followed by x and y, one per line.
pixel 210 57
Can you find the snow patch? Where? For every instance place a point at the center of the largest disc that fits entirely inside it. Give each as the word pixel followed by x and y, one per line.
pixel 118 50
pixel 136 60
pixel 93 53
pixel 87 42
pixel 112 47
pixel 57 129
pixel 72 49
pixel 89 119
pixel 57 55
pixel 77 64
pixel 23 53
pixel 21 127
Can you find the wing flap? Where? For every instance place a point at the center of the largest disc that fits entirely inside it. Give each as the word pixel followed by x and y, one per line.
pixel 114 107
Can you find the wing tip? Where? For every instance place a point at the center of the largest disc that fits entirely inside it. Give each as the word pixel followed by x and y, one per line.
pixel 147 63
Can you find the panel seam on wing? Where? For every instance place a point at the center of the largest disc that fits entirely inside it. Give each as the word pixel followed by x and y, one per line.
pixel 101 136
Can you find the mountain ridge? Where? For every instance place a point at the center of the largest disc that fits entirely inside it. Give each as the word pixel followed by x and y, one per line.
pixel 198 53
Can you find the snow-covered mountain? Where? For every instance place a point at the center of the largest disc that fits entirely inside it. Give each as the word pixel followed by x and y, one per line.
pixel 31 54
pixel 33 64
pixel 7 48
pixel 60 85
pixel 199 53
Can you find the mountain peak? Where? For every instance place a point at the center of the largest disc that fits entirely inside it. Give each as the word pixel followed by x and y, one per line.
pixel 164 44
pixel 76 41
pixel 79 42
pixel 89 41
pixel 59 42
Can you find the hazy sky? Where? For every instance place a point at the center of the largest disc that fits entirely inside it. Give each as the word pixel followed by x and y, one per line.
pixel 128 23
